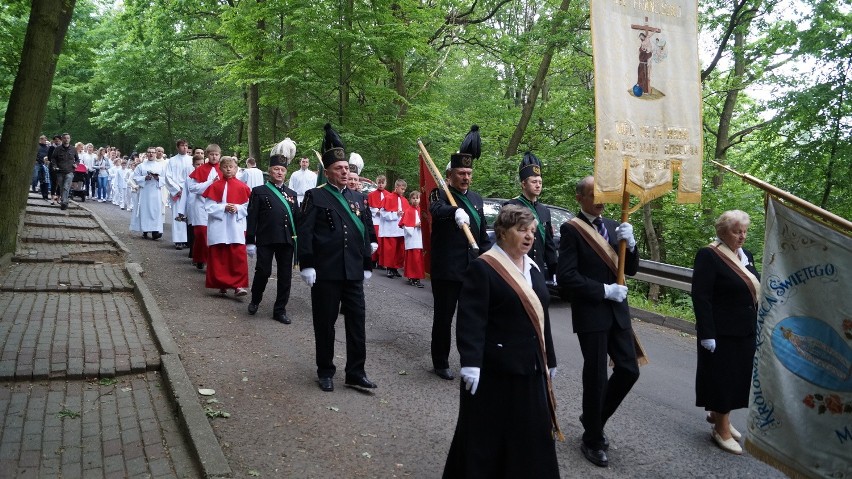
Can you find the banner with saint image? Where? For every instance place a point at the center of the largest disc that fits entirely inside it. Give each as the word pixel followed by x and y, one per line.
pixel 800 417
pixel 647 98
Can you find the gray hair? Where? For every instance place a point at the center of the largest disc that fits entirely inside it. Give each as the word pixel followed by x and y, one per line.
pixel 511 216
pixel 730 218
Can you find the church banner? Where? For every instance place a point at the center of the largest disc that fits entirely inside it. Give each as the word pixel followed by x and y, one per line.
pixel 800 417
pixel 647 98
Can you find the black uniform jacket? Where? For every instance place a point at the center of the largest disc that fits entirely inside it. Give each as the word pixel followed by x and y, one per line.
pixel 450 248
pixel 583 273
pixel 493 330
pixel 543 251
pixel 329 240
pixel 268 221
pixel 722 301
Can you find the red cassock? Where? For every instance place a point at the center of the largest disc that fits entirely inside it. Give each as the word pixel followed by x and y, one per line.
pixel 227 266
pixel 392 245
pixel 227 262
pixel 374 200
pixel 414 264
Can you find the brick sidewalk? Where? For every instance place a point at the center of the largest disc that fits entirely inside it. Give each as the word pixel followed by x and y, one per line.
pixel 82 394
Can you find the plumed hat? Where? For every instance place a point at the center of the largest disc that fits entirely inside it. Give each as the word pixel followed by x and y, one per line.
pixel 282 153
pixel 470 149
pixel 530 166
pixel 332 147
pixel 356 163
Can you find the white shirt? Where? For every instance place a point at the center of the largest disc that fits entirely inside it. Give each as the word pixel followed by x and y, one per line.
pixel 251 177
pixel 222 227
pixel 301 181
pixel 177 169
pixel 528 263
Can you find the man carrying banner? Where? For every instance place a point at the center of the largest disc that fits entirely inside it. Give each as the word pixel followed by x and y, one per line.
pixel 587 269
pixel 451 252
pixel 543 250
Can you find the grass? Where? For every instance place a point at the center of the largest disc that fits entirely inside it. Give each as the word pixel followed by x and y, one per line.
pixel 673 305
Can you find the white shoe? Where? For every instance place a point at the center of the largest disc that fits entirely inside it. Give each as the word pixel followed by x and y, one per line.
pixel 728 445
pixel 734 433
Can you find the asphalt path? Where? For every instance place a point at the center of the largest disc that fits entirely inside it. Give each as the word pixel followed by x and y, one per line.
pixel 282 425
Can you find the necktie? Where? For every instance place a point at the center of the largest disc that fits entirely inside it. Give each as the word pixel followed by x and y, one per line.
pixel 601 229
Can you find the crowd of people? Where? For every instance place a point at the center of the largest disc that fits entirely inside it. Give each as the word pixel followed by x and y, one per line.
pixel 323 224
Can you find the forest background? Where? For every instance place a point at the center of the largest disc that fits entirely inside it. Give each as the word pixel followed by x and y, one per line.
pixel 247 73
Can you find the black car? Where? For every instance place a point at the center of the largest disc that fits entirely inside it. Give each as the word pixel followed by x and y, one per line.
pixel 558 215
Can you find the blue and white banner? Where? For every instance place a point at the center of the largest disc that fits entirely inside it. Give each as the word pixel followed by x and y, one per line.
pixel 800 416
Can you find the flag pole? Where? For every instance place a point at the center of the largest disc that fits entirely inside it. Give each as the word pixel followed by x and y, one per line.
pixel 825 215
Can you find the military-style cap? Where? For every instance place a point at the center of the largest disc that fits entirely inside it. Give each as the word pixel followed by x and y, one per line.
pixel 332 147
pixel 282 153
pixel 530 166
pixel 470 149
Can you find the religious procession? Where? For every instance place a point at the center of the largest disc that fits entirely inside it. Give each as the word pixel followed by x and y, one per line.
pixel 493 296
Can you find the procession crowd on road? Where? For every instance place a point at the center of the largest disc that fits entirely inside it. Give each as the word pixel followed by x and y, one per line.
pixel 336 235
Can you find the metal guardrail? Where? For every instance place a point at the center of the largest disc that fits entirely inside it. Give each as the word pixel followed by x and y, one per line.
pixel 663 274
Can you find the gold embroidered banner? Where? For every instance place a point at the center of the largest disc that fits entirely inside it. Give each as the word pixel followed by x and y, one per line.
pixel 647 98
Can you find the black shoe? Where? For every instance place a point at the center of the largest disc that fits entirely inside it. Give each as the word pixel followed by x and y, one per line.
pixel 156 235
pixel 63 206
pixel 145 235
pixel 390 275
pixel 445 374
pixel 199 265
pixel 326 384
pixel 178 246
pixel 360 382
pixel 281 318
pixel 605 443
pixel 395 273
pixel 418 283
pixel 595 456
pixel 252 308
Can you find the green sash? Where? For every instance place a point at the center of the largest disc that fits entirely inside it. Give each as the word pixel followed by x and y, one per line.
pixel 525 201
pixel 289 211
pixel 343 202
pixel 461 196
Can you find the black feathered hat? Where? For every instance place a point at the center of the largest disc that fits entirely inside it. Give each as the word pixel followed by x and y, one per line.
pixel 470 149
pixel 332 147
pixel 530 166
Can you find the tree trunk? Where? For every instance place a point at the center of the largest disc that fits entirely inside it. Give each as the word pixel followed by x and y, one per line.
pixel 538 82
pixel 253 122
pixel 723 139
pixel 46 29
pixel 653 247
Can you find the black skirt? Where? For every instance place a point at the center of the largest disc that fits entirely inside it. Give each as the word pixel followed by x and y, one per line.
pixel 723 377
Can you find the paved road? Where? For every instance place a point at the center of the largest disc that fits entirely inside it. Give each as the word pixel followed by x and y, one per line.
pixel 282 425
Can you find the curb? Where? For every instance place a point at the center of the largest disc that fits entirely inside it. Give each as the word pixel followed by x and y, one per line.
pixel 665 321
pixel 208 453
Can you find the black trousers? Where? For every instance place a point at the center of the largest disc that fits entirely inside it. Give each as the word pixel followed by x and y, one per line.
pixel 445 298
pixel 602 396
pixel 190 237
pixel 283 254
pixel 327 297
pixel 91 183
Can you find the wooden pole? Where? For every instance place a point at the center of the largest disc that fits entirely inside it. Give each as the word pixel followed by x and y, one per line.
pixel 815 210
pixel 439 178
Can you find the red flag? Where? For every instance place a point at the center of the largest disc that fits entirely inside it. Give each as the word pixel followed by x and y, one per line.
pixel 427 184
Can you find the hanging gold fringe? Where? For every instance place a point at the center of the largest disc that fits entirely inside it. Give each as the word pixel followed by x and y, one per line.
pixel 765 456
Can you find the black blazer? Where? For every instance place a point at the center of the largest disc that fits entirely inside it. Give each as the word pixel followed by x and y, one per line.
pixel 451 253
pixel 329 240
pixel 722 302
pixel 543 251
pixel 583 273
pixel 268 221
pixel 493 330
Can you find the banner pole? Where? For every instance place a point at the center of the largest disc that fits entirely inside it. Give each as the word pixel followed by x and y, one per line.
pixel 825 215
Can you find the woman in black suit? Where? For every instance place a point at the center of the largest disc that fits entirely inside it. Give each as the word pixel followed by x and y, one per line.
pixel 507 423
pixel 725 284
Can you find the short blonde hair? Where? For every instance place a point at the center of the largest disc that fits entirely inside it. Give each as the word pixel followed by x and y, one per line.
pixel 728 219
pixel 227 159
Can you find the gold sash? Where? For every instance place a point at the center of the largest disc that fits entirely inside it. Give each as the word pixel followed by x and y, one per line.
pixel 730 258
pixel 597 242
pixel 535 311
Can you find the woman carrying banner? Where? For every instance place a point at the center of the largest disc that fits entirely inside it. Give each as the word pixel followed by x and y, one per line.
pixel 507 422
pixel 724 296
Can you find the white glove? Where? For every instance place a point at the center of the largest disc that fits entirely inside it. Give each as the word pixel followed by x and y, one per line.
pixel 309 276
pixel 615 292
pixel 552 374
pixel 374 247
pixel 251 250
pixel 624 231
pixel 709 344
pixel 367 275
pixel 462 217
pixel 470 376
